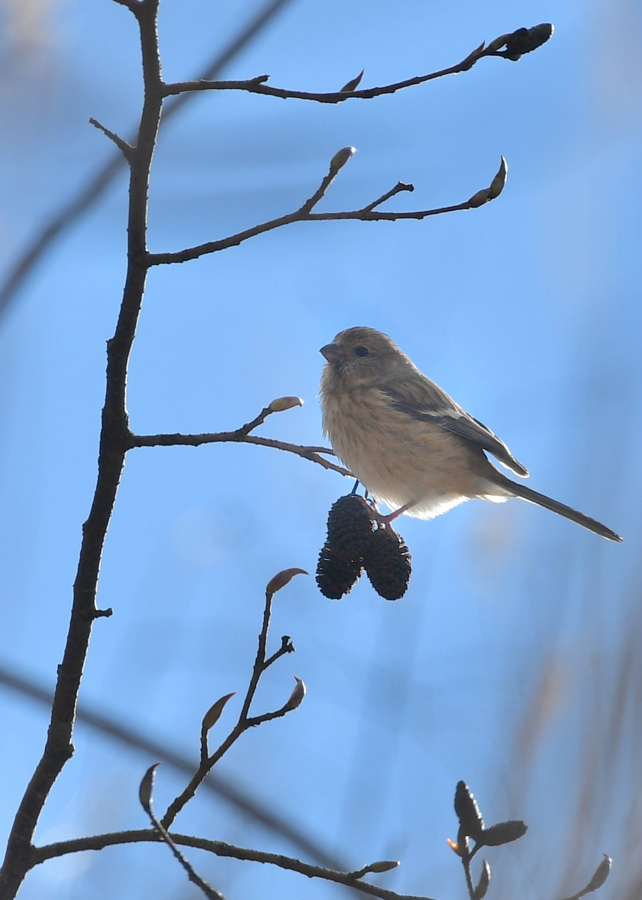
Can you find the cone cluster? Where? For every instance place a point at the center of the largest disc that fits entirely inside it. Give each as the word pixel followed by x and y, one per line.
pixel 353 545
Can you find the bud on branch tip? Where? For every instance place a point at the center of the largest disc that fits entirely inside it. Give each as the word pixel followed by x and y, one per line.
pixel 213 714
pixel 340 158
pixel 352 84
pixel 498 182
pixel 283 403
pixel 296 697
pixel 599 876
pixel 281 579
pixel 147 787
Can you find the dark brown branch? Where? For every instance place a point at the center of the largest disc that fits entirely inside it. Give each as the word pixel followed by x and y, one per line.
pixel 517 43
pixel 219 848
pixel 258 86
pixel 365 214
pixel 221 437
pixel 397 189
pixel 111 457
pixel 130 4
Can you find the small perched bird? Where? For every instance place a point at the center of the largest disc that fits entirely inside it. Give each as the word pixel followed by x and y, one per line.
pixel 410 445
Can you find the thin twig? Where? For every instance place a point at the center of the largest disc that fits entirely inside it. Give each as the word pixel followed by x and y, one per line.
pixel 146 789
pixel 257 86
pixel 365 214
pixel 219 848
pixel 244 721
pixel 124 147
pixel 259 662
pixel 221 437
pixel 397 189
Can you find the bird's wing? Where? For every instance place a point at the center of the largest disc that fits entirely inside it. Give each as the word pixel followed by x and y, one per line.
pixel 436 406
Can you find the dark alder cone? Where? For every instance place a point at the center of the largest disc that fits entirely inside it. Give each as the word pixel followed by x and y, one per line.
pixel 387 562
pixel 341 559
pixel 525 40
pixel 337 573
pixel 349 526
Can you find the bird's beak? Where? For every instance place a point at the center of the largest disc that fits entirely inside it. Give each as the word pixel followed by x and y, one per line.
pixel 332 352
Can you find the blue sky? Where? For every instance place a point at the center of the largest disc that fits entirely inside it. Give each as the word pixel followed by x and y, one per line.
pixel 527 311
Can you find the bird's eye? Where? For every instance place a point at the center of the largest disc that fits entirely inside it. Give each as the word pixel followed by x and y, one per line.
pixel 362 351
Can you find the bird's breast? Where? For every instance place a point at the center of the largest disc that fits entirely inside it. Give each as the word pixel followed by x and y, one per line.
pixel 398 458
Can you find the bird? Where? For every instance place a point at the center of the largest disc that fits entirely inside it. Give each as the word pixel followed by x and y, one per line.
pixel 411 446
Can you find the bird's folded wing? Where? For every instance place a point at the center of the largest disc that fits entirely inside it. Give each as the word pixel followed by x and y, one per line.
pixel 437 407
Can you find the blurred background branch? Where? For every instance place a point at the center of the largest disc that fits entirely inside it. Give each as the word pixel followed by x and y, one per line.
pixel 223 787
pixel 86 196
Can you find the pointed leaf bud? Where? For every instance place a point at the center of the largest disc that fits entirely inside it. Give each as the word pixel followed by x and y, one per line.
pixel 281 579
pixel 472 58
pixel 383 865
pixel 283 403
pixel 479 198
pixel 340 158
pixel 599 876
pixel 502 833
pixel 467 810
pixel 296 697
pixel 352 84
pixel 498 182
pixel 483 884
pixel 498 43
pixel 146 788
pixel 213 714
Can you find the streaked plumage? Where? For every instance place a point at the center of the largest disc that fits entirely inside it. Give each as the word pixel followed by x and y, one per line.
pixel 407 441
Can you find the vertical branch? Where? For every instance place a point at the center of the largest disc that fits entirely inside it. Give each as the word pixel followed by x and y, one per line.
pixel 114 443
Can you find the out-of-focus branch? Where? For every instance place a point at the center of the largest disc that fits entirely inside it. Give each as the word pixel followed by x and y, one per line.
pixel 222 787
pixel 219 848
pixel 245 722
pixel 97 183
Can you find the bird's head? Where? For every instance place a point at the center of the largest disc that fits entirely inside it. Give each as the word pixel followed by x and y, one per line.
pixel 361 356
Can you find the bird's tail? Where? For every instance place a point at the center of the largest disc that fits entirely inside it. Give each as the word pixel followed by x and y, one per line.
pixel 526 493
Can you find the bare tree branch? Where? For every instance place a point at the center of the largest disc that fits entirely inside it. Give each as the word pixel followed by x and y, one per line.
pixel 219 848
pixel 197 440
pixel 242 436
pixel 366 214
pixel 111 458
pixel 257 85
